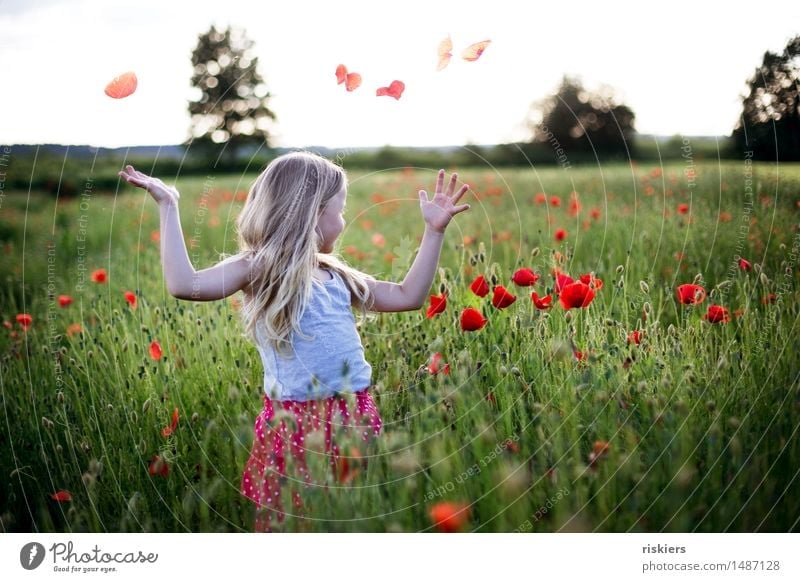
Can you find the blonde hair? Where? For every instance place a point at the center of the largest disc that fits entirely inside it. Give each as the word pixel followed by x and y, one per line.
pixel 277 228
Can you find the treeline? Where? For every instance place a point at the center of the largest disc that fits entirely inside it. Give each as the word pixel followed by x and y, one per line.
pixel 67 174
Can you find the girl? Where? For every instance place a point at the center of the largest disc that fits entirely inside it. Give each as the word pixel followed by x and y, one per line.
pixel 297 310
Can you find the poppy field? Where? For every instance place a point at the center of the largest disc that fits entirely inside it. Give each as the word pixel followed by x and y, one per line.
pixel 605 349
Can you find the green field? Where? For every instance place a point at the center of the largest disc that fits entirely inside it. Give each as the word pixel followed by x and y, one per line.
pixel 700 419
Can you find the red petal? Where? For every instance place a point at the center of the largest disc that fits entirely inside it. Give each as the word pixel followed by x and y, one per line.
pixel 474 51
pixel 352 81
pixel 122 86
pixel 395 89
pixel 341 73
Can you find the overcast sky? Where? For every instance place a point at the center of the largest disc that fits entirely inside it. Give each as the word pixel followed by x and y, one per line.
pixel 681 66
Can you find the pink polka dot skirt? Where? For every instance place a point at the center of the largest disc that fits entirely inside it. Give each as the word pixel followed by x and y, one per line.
pixel 278 458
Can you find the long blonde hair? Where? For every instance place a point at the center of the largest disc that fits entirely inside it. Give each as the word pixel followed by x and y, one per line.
pixel 277 229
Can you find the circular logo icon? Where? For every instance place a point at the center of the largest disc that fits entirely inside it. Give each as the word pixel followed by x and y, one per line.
pixel 31 555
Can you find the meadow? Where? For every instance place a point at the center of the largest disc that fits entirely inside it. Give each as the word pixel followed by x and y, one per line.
pixel 638 412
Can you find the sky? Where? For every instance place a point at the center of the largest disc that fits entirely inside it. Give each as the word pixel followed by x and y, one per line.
pixel 682 66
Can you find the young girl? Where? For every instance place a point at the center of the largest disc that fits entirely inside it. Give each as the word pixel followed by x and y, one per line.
pixel 297 310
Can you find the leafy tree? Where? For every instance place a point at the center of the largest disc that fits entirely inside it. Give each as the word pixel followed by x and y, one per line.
pixel 584 122
pixel 770 122
pixel 230 110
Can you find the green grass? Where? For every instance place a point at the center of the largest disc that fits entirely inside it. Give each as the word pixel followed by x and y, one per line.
pixel 701 419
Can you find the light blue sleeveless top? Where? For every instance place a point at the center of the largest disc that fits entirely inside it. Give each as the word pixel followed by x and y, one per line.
pixel 331 362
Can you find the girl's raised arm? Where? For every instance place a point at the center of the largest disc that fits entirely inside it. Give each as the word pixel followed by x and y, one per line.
pixel 183 282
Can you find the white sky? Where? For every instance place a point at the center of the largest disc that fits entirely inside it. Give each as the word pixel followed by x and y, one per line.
pixel 681 66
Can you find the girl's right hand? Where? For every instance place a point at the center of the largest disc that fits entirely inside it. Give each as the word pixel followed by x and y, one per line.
pixel 162 193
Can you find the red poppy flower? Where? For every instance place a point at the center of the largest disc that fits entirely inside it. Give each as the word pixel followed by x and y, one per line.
pixel 574 207
pixel 599 449
pixel 448 516
pixel 690 294
pixel 592 281
pixel 74 328
pixel 61 496
pixel 155 350
pixel 540 198
pixel 545 302
pixel 594 213
pixel 579 355
pixel 158 466
pixel 561 234
pixel 347 467
pixel 168 430
pixel 635 337
pixel 683 208
pixel 717 314
pixel 479 286
pixel 472 319
pixel 524 277
pixel 767 299
pixel 438 303
pixel 575 295
pixel 745 265
pixel 64 300
pixel 555 201
pixel 502 298
pixel 99 276
pixel 434 365
pixel 562 281
pixel 130 297
pixel 511 445
pixel 25 320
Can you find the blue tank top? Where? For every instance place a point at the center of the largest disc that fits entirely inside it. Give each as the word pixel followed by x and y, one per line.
pixel 333 361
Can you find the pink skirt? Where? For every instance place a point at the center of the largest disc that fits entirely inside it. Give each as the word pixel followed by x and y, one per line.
pixel 278 457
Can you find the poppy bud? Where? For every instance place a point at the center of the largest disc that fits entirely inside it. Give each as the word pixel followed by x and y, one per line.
pixel 60 397
pixel 646 307
pixel 504 370
pixel 63 351
pixel 493 278
pixel 757 267
pixel 516 371
pixel 110 406
pixel 764 279
pixel 146 406
pixel 134 417
pixel 90 354
pixel 620 269
pixel 59 449
pixel 698 279
pixel 609 322
pixel 473 261
pixel 644 287
pixel 47 423
pixel 621 282
pixel 672 330
pixel 195 417
pixel 568 317
pixel 535 252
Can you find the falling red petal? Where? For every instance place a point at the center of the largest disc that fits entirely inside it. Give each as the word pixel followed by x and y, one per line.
pixel 395 89
pixel 474 51
pixel 122 86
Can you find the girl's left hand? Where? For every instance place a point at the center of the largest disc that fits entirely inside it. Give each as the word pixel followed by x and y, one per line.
pixel 438 212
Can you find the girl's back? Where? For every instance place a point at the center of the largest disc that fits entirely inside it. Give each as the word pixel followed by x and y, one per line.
pixel 333 361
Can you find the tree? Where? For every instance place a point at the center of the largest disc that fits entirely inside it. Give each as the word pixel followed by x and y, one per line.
pixel 769 125
pixel 578 121
pixel 231 107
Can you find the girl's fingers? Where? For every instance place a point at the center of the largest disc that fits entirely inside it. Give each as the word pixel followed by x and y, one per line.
pixel 452 185
pixel 461 192
pixel 439 181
